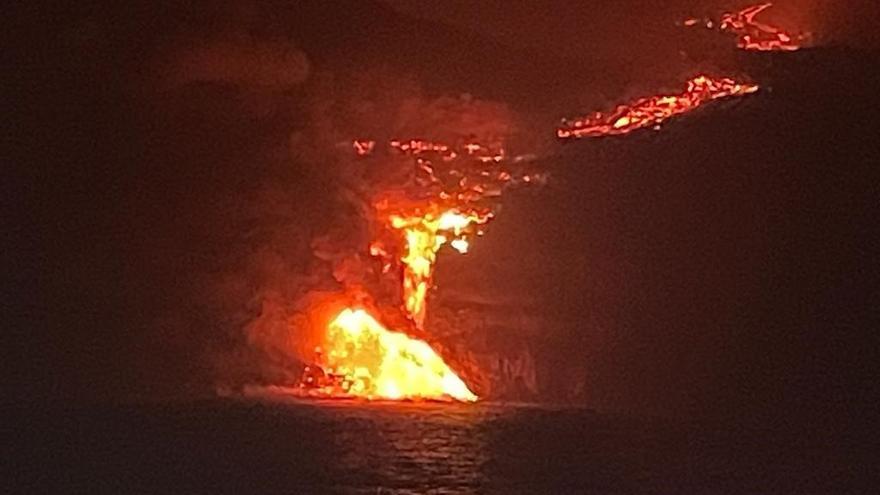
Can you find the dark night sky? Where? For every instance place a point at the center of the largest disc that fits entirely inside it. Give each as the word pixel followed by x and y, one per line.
pixel 725 266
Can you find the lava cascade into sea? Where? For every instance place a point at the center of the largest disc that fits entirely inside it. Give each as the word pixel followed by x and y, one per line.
pixel 450 197
pixel 455 189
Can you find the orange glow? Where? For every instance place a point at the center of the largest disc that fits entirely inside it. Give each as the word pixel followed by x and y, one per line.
pixel 754 35
pixel 446 200
pixel 363 147
pixel 364 359
pixel 455 183
pixel 446 152
pixel 424 235
pixel 654 110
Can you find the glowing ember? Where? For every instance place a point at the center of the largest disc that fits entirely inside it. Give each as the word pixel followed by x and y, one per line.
pixel 364 359
pixel 752 34
pixel 654 110
pixel 363 147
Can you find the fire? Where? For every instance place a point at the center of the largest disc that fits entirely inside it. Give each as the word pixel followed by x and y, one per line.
pixel 654 110
pixel 364 359
pixel 752 34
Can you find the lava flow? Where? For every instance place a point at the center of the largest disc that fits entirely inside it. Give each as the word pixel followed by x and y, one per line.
pixel 364 359
pixel 752 34
pixel 654 110
pixel 425 234
pixel 444 203
pixel 455 201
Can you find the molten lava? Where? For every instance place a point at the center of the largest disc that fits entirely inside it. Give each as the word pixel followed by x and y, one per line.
pixel 425 235
pixel 752 34
pixel 363 147
pixel 364 359
pixel 454 185
pixel 444 202
pixel 654 110
pixel 446 199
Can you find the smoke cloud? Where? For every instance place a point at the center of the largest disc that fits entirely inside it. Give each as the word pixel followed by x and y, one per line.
pixel 235 59
pixel 295 209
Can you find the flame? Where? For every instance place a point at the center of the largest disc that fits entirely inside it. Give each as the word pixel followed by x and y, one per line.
pixel 751 34
pixel 364 359
pixel 654 110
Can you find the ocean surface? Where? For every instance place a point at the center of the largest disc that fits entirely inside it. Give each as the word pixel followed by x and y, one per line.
pixel 288 446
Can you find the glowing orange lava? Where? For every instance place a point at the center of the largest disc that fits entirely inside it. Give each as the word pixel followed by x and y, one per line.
pixel 425 234
pixel 751 34
pixel 654 110
pixel 445 202
pixel 363 147
pixel 456 183
pixel 364 359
